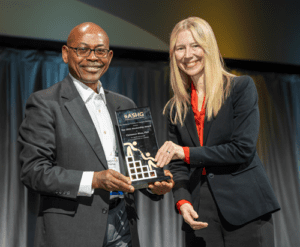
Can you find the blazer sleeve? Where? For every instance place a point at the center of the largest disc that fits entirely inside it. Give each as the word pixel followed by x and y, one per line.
pixel 40 171
pixel 242 146
pixel 179 169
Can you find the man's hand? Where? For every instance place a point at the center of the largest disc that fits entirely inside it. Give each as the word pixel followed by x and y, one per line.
pixel 112 180
pixel 169 151
pixel 189 214
pixel 163 187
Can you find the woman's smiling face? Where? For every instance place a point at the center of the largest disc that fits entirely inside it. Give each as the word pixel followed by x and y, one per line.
pixel 189 54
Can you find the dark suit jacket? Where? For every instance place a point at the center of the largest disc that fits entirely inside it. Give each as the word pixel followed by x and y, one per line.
pixel 235 174
pixel 59 142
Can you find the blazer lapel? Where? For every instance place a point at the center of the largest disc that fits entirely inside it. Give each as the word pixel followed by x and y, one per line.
pixel 82 118
pixel 192 129
pixel 207 125
pixel 191 126
pixel 112 107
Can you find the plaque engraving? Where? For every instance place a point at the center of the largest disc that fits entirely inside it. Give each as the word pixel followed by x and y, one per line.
pixel 139 143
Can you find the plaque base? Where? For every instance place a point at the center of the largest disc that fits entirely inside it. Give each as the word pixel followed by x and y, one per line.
pixel 142 184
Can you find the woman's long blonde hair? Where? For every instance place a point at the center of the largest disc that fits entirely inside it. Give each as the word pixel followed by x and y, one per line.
pixel 217 79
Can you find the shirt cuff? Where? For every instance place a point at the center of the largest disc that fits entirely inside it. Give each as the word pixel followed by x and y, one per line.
pixel 186 151
pixel 180 203
pixel 85 187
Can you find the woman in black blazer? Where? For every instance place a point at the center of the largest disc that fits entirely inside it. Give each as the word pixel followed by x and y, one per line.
pixel 221 188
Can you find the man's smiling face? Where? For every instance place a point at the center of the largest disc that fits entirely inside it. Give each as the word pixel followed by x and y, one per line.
pixel 87 69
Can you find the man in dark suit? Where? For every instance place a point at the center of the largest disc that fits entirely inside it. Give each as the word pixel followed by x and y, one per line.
pixel 70 153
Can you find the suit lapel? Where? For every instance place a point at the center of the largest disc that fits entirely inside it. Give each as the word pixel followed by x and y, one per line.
pixel 82 118
pixel 191 126
pixel 192 129
pixel 207 125
pixel 113 106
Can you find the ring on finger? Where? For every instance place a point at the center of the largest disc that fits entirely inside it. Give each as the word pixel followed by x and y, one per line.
pixel 168 151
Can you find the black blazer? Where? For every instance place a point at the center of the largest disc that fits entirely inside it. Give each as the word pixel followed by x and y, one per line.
pixel 235 174
pixel 59 142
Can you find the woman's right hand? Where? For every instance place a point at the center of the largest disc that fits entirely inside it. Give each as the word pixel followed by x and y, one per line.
pixel 189 214
pixel 169 151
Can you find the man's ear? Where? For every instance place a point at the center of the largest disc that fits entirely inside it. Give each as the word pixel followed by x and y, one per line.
pixel 64 53
pixel 110 56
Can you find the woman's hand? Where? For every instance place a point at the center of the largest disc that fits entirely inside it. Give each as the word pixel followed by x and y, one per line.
pixel 189 214
pixel 169 151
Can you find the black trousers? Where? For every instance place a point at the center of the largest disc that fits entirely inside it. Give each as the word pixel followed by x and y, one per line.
pixel 219 233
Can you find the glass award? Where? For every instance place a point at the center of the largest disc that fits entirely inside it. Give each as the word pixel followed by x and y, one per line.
pixel 139 143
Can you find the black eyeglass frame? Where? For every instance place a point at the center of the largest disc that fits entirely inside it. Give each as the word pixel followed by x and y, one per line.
pixel 94 50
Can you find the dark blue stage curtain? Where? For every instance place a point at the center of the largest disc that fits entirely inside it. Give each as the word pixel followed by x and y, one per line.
pixel 147 83
pixel 278 147
pixel 23 72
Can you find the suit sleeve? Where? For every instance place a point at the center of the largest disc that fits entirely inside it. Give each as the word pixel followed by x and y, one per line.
pixel 242 146
pixel 40 171
pixel 179 169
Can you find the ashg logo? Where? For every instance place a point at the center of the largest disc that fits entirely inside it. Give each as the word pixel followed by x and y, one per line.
pixel 134 115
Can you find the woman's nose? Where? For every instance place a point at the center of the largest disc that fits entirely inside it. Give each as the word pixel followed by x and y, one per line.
pixel 188 52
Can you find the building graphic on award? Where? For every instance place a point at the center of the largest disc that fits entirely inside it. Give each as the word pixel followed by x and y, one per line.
pixel 138 170
pixel 139 146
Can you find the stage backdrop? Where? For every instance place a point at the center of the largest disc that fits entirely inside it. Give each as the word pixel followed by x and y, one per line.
pixel 23 72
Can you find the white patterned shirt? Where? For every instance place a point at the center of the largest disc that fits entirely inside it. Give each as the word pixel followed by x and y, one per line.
pixel 96 106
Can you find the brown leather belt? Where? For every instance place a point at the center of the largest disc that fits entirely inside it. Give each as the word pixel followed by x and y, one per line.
pixel 114 202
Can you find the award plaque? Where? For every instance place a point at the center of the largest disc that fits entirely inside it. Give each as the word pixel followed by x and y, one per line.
pixel 139 146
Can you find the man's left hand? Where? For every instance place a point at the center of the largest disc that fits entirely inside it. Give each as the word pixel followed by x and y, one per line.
pixel 163 187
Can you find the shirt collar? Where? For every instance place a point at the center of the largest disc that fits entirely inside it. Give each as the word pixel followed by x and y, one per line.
pixel 85 92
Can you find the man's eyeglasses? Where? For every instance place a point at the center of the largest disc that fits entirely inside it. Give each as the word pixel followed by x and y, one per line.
pixel 85 51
